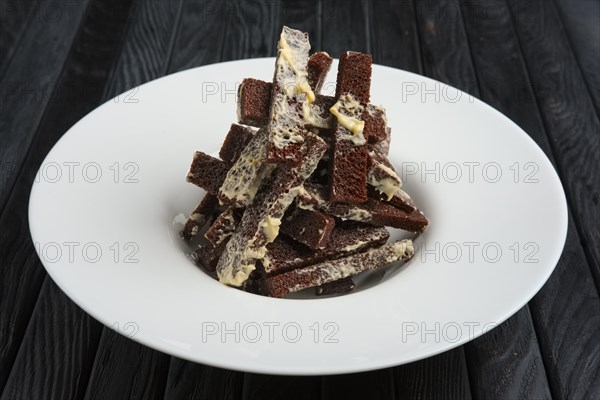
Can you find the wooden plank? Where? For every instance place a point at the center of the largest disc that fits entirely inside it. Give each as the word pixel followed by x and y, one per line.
pixel 304 15
pixel 28 84
pixel 394 22
pixel 505 85
pixel 15 16
pixel 520 374
pixel 503 80
pixel 372 385
pixel 188 380
pixel 447 57
pixel 566 313
pixel 79 89
pixel 568 114
pixel 347 26
pixel 53 361
pixel 264 387
pixel 252 29
pixel 147 47
pixel 580 19
pixel 123 368
pixel 201 36
pixel 440 377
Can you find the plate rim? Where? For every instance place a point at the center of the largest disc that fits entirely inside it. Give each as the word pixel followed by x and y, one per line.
pixel 289 368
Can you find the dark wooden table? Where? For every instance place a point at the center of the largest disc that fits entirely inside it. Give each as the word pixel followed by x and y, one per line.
pixel 538 62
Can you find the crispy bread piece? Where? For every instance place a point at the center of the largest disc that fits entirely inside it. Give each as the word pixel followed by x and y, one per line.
pixel 207 172
pixel 285 254
pixel 311 228
pixel 235 142
pixel 373 211
pixel 254 101
pixel 349 156
pixel 333 270
pixel 290 99
pixel 247 174
pixel 204 212
pixel 318 65
pixel 341 286
pixel 261 219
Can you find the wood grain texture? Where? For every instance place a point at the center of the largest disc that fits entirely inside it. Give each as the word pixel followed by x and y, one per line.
pixel 252 30
pixel 372 385
pixel 147 47
pixel 502 75
pixel 508 369
pixel 566 313
pixel 447 57
pixel 201 36
pixel 21 277
pixel 79 90
pixel 503 364
pixel 394 34
pixel 14 20
pixel 265 387
pixel 568 114
pixel 505 84
pixel 580 19
pixel 439 377
pixel 304 15
pixel 191 381
pixel 347 26
pixel 28 84
pixel 54 361
pixel 125 369
pixel 446 54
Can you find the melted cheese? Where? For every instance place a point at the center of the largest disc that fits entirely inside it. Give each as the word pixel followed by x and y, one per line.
pixel 270 227
pixel 352 247
pixel 292 78
pixel 347 110
pixel 404 249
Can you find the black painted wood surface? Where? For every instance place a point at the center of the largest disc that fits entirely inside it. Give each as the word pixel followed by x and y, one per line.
pixel 537 62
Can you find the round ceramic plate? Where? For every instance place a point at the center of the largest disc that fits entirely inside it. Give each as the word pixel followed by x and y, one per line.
pixel 108 201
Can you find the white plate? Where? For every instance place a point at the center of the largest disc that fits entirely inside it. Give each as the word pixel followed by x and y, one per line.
pixel 103 208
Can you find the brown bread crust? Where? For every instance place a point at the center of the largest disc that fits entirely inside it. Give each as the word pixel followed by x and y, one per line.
pixel 354 76
pixel 223 226
pixel 311 228
pixel 341 286
pixel 373 211
pixel 208 255
pixel 332 270
pixel 204 212
pixel 236 140
pixel 254 101
pixel 318 65
pixel 260 219
pixel 285 254
pixel 348 159
pixel 348 171
pixel 207 172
